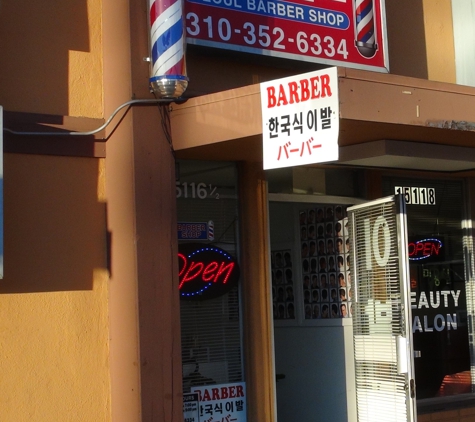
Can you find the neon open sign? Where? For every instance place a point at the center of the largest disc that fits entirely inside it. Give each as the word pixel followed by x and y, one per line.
pixel 424 249
pixel 205 272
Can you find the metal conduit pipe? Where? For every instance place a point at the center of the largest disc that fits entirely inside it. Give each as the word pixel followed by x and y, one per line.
pixel 93 132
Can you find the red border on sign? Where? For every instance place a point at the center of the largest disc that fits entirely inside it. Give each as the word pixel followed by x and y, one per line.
pixel 302 31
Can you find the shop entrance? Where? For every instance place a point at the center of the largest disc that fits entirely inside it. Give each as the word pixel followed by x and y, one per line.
pixel 342 330
pixel 440 286
pixel 312 304
pixel 312 298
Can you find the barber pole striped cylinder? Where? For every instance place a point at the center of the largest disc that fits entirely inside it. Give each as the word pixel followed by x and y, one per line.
pixel 365 40
pixel 167 39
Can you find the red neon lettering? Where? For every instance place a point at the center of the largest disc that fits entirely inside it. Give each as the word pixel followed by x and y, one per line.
pixel 215 393
pixel 222 269
pixel 419 247
pixel 423 249
pixel 224 393
pixel 208 272
pixel 240 391
pixel 183 257
pixel 213 271
pixel 326 89
pixel 271 100
pixel 232 392
pixel 427 248
pixel 293 94
pixel 189 275
pixel 282 98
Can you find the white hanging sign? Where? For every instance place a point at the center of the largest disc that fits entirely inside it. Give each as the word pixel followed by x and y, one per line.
pixel 222 402
pixel 300 119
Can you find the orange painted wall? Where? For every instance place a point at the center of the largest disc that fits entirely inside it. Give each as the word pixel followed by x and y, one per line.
pixel 53 298
pixel 76 345
pixel 54 316
pixel 70 327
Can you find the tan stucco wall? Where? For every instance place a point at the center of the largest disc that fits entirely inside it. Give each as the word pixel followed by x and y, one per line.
pixel 54 314
pixel 51 57
pixel 53 299
pixel 420 39
pixel 439 37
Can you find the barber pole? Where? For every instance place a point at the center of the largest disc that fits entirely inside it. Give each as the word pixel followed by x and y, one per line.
pixel 167 39
pixel 365 37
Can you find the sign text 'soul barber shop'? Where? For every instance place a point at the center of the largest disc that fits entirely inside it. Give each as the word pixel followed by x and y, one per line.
pixel 300 119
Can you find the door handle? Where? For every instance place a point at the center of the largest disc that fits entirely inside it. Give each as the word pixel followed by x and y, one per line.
pixel 412 387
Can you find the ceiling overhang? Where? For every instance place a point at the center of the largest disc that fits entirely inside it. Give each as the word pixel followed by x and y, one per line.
pixel 386 121
pixel 408 155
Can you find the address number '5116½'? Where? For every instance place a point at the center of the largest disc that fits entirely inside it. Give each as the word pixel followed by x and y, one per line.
pixel 194 190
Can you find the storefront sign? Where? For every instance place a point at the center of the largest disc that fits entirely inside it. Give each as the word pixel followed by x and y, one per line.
pixel 222 402
pixel 191 408
pixel 205 272
pixel 445 300
pixel 196 231
pixel 347 33
pixel 427 249
pixel 300 119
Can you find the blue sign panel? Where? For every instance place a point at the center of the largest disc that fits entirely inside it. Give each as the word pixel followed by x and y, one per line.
pixel 196 231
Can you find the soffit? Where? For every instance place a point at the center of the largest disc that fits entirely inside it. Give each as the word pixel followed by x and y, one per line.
pixel 373 107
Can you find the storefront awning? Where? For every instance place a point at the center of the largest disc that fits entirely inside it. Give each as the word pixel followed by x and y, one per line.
pixel 385 121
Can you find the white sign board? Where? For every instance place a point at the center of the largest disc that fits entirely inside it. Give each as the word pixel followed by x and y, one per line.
pixel 300 119
pixel 350 33
pixel 191 408
pixel 222 402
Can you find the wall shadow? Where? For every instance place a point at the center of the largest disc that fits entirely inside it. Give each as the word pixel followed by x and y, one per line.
pixel 35 39
pixel 55 228
pixel 406 38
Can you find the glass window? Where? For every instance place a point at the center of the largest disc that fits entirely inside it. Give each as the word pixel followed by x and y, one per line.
pixel 207 229
pixel 438 285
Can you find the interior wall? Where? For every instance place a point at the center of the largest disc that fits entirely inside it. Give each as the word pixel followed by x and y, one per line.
pixel 314 387
pixel 315 358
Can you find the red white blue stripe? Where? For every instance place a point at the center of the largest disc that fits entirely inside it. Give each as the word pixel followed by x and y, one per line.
pixel 364 21
pixel 167 40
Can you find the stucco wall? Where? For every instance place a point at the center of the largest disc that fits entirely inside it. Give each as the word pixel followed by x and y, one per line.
pixel 53 298
pixel 439 35
pixel 54 317
pixel 420 38
pixel 51 57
